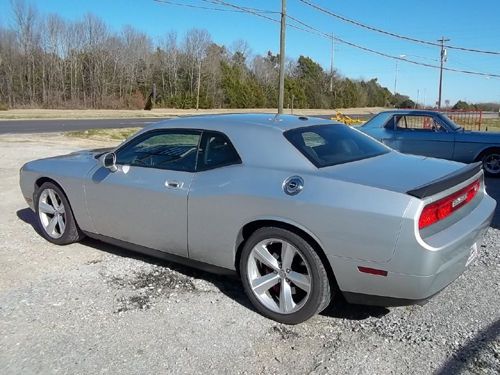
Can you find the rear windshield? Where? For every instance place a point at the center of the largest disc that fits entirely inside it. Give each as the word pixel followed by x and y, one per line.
pixel 326 145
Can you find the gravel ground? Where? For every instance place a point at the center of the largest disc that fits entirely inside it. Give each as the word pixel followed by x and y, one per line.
pixel 95 308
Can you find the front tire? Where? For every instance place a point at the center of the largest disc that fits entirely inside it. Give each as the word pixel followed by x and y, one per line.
pixel 55 217
pixel 283 276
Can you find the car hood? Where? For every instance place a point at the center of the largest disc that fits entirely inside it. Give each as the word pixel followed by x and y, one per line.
pixel 83 154
pixel 393 171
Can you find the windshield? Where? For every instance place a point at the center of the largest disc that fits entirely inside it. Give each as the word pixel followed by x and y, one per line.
pixel 327 145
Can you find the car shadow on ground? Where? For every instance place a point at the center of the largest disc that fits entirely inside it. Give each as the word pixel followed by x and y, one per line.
pixel 493 189
pixel 228 285
pixel 469 354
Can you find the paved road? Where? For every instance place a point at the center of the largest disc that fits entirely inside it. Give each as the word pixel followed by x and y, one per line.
pixel 45 126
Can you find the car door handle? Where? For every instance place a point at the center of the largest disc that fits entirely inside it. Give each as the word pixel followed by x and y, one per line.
pixel 173 184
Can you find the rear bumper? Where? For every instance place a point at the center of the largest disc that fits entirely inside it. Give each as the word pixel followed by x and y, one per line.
pixel 372 300
pixel 414 284
pixel 413 290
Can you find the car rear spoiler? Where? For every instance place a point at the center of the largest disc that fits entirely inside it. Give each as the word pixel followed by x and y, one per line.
pixel 447 181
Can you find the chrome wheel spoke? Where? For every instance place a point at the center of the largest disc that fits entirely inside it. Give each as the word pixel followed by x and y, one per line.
pixel 46 208
pixel 286 301
pixel 264 256
pixel 264 283
pixel 53 199
pixel 287 254
pixel 52 225
pixel 62 225
pixel 300 280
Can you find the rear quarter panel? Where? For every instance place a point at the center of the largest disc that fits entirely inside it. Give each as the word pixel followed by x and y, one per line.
pixel 470 145
pixel 346 219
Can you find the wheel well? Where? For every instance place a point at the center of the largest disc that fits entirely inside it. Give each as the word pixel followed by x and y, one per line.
pixel 253 226
pixel 486 151
pixel 42 180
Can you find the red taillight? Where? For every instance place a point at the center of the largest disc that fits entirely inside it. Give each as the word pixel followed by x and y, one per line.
pixel 443 208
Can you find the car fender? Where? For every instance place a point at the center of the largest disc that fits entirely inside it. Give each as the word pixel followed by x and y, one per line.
pixel 284 220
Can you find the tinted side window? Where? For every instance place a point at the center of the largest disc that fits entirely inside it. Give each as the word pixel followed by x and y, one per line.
pixel 174 150
pixel 216 151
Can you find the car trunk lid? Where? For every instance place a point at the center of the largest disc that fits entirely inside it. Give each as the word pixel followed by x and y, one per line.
pixel 419 176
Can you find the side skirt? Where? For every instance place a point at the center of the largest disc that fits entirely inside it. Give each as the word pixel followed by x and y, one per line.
pixel 163 255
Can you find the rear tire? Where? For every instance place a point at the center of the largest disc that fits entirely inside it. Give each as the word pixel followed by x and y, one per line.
pixel 491 163
pixel 283 276
pixel 55 217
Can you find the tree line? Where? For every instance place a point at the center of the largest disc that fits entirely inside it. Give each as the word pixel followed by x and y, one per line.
pixel 50 62
pixel 465 106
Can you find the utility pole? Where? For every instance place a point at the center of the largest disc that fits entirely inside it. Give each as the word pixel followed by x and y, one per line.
pixel 282 58
pixel 331 63
pixel 443 60
pixel 198 85
pixel 396 78
pixel 396 75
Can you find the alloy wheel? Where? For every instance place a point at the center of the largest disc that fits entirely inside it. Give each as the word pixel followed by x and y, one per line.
pixel 491 163
pixel 52 213
pixel 279 276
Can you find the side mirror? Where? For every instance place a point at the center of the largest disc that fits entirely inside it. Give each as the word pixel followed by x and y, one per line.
pixel 109 161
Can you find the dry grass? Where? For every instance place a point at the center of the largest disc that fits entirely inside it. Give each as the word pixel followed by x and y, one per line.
pixel 493 124
pixel 103 134
pixel 32 114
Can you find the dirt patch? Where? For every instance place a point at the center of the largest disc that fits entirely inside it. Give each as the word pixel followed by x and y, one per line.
pixel 140 290
pixel 158 281
pixel 284 332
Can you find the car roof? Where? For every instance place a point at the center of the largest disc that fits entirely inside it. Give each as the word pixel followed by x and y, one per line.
pixel 252 121
pixel 410 111
pixel 258 137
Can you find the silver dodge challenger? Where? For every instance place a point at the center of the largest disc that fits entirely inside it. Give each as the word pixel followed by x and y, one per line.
pixel 302 209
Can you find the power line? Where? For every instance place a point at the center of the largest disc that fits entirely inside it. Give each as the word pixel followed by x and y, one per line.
pixel 241 8
pixel 312 30
pixel 192 6
pixel 415 40
pixel 237 9
pixel 175 3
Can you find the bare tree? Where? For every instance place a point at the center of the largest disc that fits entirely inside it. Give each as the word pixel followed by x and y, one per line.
pixel 48 61
pixel 196 43
pixel 25 19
